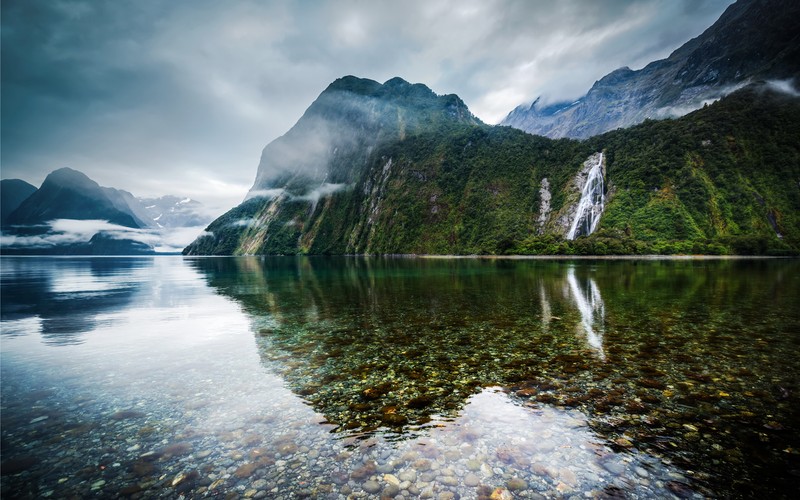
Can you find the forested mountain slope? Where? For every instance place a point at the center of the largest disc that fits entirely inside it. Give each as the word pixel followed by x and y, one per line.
pixel 723 179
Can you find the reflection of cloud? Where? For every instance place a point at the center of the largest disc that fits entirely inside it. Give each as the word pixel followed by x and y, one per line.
pixel 68 297
pixel 589 304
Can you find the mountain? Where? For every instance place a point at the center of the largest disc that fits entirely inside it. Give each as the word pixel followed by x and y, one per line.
pixel 12 193
pixel 69 194
pixel 397 175
pixel 70 214
pixel 752 40
pixel 173 211
pixel 327 151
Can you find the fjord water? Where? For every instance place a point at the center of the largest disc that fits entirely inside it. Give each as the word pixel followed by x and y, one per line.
pixel 284 377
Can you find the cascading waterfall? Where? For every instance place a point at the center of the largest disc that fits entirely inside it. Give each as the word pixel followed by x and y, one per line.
pixel 591 204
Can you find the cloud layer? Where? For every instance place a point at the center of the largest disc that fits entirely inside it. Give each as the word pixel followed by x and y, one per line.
pixel 180 97
pixel 69 231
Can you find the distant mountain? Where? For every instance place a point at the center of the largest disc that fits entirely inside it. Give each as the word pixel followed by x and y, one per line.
pixel 12 193
pixel 71 214
pixel 395 169
pixel 173 211
pixel 69 194
pixel 752 40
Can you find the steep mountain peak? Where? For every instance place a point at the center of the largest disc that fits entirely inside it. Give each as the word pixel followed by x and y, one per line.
pixel 615 77
pixel 70 178
pixel 752 40
pixel 69 194
pixel 354 84
pixel 333 138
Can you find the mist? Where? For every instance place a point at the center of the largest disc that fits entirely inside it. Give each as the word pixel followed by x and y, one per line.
pixel 60 232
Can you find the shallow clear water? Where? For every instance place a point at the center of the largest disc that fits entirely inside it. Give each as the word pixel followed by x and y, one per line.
pixel 330 377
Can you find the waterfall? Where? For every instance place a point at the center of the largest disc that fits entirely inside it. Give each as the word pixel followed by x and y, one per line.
pixel 591 205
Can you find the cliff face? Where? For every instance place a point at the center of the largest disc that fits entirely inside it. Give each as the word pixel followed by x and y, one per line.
pixel 431 179
pixel 753 40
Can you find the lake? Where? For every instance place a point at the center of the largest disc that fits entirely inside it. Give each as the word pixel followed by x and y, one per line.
pixel 330 377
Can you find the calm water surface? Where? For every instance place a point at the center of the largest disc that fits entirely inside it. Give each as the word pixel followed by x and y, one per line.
pixel 437 378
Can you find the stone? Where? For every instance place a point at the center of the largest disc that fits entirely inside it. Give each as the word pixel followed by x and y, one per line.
pixel 408 475
pixel 385 468
pixel 471 480
pixel 245 470
pixel 184 477
pixel 421 465
pixel 364 472
pixel 625 443
pixel 126 414
pixel 501 494
pixel 391 479
pixel 568 476
pixel 390 491
pixel 371 487
pixel 448 480
pixel 614 467
pixel 517 484
pixel 177 449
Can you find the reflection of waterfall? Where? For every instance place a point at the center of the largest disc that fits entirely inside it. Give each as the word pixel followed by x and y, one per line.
pixel 547 315
pixel 590 207
pixel 589 304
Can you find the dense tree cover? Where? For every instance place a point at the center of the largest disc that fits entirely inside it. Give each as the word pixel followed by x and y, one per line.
pixel 722 180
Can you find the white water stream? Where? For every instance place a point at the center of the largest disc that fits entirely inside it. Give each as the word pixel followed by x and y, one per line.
pixel 591 205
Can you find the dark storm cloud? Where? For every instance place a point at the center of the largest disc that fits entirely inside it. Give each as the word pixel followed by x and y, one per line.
pixel 163 97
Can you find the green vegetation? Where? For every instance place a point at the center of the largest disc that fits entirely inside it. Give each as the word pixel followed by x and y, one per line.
pixel 721 180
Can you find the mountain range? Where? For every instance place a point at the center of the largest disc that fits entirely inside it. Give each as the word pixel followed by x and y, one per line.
pixel 389 168
pixel 695 153
pixel 72 214
pixel 710 182
pixel 752 40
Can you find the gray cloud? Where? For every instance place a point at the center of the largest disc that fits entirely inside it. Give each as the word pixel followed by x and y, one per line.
pixel 180 97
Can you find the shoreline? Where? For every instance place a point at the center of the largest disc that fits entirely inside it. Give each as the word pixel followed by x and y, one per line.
pixel 436 256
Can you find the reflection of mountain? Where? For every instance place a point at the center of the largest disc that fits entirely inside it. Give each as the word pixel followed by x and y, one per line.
pixel 373 343
pixel 65 295
pixel 393 343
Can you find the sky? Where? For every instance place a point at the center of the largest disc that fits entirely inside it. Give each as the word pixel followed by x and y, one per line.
pixel 165 97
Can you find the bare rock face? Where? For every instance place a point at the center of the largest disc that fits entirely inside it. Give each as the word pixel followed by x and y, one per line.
pixel 752 40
